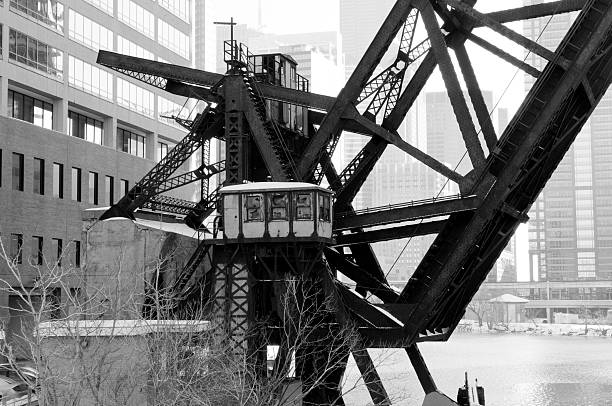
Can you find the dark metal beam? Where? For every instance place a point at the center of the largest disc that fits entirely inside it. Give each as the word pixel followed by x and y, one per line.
pixel 418 363
pixel 552 114
pixel 167 71
pixel 370 377
pixel 525 67
pixel 453 88
pixel 331 125
pixel 478 102
pixel 197 77
pixel 379 216
pixel 186 90
pixel 364 277
pixel 501 29
pixel 412 91
pixel 536 11
pixel 395 139
pixel 387 234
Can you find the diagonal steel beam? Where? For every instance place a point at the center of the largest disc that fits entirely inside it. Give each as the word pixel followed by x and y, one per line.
pixel 535 11
pixel 525 67
pixel 388 234
pixel 453 87
pixel 332 123
pixel 395 139
pixel 371 378
pixel 480 107
pixel 457 263
pixel 502 30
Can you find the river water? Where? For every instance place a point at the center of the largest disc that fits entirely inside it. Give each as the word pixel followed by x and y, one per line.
pixel 516 370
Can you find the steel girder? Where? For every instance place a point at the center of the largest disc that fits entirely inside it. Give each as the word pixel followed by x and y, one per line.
pixel 547 122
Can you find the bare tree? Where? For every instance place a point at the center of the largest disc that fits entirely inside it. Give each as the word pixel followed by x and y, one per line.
pixel 91 345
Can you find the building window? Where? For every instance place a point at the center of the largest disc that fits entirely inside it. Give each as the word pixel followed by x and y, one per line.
pixel 137 17
pixel 109 190
pixel 30 109
pixel 39 176
pixel 303 206
pixel 135 98
pixel 124 187
pixel 48 12
pixel 84 127
pixel 16 248
pixel 93 188
pixel 90 78
pixel 58 250
pixel 104 5
pixel 37 54
pixel 254 208
pixel 76 184
pixel 133 144
pixel 173 39
pixel 58 180
pixel 162 150
pixel 18 171
pixel 180 8
pixel 77 253
pixel 37 250
pixel 88 32
pixel 278 206
pixel 127 47
pixel 324 208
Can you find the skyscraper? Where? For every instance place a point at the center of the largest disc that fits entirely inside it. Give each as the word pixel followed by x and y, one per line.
pixel 570 231
pixel 359 22
pixel 74 134
pixel 444 140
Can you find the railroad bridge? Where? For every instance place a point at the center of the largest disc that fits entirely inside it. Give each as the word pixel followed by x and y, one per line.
pixel 279 139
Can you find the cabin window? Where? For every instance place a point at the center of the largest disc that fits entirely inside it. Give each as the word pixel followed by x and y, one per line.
pixel 254 208
pixel 278 206
pixel 325 208
pixel 303 206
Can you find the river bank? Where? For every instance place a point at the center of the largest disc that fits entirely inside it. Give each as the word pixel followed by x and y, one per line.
pixel 590 330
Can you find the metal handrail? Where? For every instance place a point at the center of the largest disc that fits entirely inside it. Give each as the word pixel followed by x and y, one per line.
pixel 400 205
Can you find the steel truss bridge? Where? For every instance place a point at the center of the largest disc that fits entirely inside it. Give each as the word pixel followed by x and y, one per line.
pixel 509 170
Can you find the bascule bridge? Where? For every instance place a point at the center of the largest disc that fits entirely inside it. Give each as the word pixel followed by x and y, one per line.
pixel 276 222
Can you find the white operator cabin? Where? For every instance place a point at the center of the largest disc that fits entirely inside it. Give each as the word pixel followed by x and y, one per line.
pixel 277 210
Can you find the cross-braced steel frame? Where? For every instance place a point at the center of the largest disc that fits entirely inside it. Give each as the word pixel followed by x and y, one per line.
pixel 509 169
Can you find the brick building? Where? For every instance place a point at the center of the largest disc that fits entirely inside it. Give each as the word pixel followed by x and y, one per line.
pixel 73 134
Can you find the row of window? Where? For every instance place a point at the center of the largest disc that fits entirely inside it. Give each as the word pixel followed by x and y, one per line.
pixel 36 54
pixel 90 78
pixel 132 143
pixel 279 207
pixel 16 250
pixel 173 39
pixel 84 127
pixel 38 181
pixel 40 113
pixel 48 12
pixel 93 35
pixel 137 17
pixel 135 98
pixel 30 109
pixel 88 32
pixel 180 8
pixel 127 47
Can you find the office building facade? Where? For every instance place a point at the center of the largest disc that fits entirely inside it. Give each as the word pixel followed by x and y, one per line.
pixel 73 134
pixel 570 230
